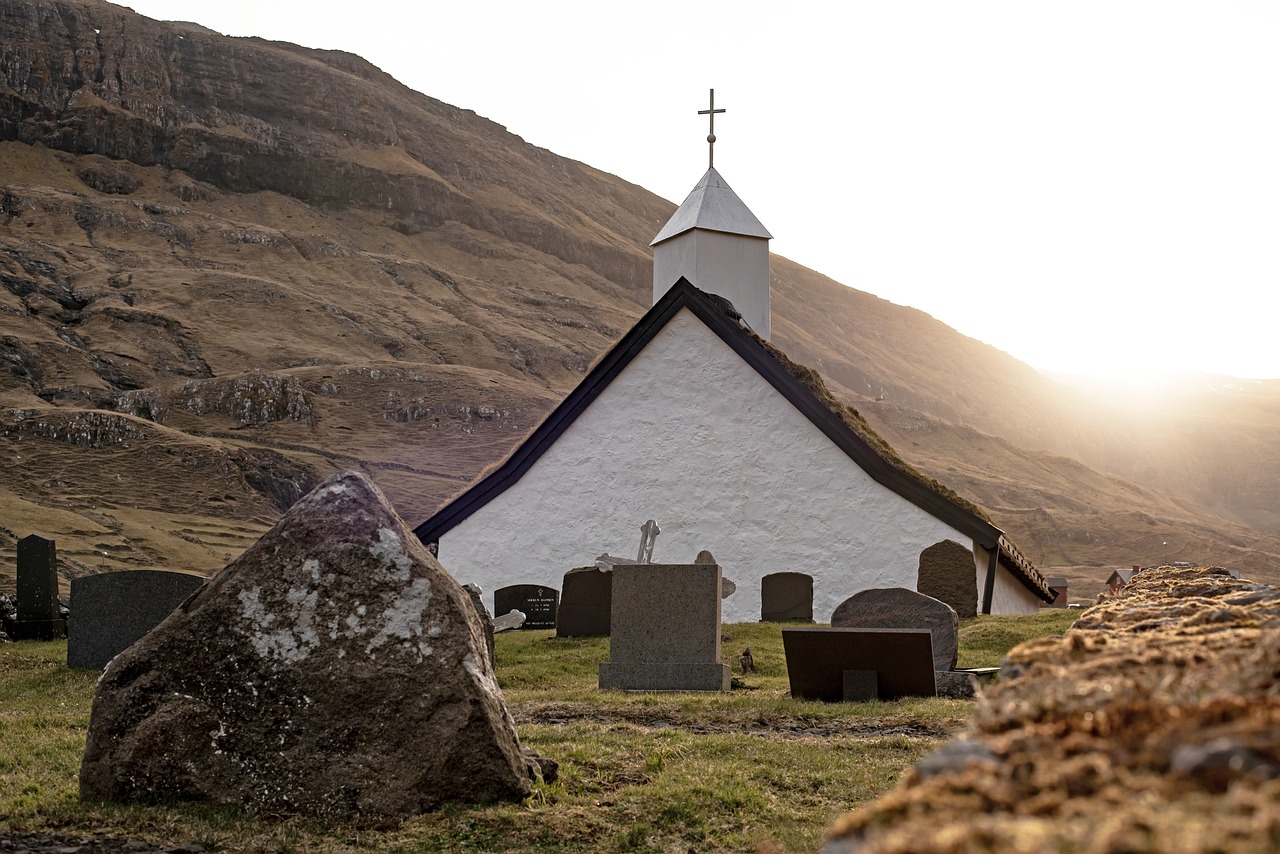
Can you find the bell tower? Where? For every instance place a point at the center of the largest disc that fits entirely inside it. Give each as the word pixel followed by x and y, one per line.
pixel 716 242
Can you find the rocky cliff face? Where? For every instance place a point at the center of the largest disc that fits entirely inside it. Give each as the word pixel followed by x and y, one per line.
pixel 324 127
pixel 266 247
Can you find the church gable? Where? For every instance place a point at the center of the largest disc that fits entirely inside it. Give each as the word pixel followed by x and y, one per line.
pixel 675 423
pixel 688 434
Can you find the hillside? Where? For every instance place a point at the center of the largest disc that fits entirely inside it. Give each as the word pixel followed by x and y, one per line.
pixel 231 266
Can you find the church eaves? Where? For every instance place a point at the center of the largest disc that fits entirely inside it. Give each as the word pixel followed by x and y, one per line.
pixel 712 205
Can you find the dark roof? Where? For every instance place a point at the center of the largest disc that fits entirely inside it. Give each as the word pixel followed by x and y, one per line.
pixel 801 386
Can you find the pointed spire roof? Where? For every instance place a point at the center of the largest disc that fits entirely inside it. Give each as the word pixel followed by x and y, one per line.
pixel 712 206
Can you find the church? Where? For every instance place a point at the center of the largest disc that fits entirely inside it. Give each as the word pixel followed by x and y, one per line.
pixel 696 421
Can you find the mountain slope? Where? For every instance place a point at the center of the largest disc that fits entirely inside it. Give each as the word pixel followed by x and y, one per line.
pixel 291 263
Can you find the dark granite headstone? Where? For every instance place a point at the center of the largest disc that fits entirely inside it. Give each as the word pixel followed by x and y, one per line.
pixel 537 602
pixel 586 599
pixel 109 612
pixel 38 590
pixel 786 597
pixel 948 574
pixel 821 662
pixel 900 608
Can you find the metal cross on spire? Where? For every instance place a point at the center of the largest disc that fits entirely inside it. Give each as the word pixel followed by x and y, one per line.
pixel 711 137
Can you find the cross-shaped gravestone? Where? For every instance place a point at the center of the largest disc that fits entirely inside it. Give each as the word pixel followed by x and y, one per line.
pixel 711 136
pixel 649 532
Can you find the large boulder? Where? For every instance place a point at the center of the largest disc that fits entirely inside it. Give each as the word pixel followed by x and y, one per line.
pixel 900 608
pixel 334 668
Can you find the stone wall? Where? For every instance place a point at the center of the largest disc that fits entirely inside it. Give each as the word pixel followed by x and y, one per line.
pixel 1152 725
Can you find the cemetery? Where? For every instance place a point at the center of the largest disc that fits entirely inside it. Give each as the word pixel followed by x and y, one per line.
pixel 310 697
pixel 866 663
pixel 818 643
pixel 713 770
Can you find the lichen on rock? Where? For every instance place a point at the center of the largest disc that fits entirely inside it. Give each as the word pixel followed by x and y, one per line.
pixel 334 668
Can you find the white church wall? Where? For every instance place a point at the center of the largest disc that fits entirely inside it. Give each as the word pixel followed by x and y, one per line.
pixel 733 266
pixel 1011 596
pixel 691 436
pixel 1008 595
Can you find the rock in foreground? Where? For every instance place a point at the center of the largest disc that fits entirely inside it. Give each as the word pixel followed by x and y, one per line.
pixel 1153 725
pixel 334 668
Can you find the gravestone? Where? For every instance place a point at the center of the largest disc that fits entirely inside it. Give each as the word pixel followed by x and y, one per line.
pixel 900 608
pixel 585 602
pixel 786 597
pixel 334 668
pixel 537 602
pixel 665 629
pixel 111 611
pixel 859 664
pixel 727 587
pixel 38 617
pixel 948 574
pixel 8 617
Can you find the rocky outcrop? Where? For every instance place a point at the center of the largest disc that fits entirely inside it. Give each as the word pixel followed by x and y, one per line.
pixel 253 399
pixel 334 668
pixel 247 115
pixel 1153 725
pixel 139 444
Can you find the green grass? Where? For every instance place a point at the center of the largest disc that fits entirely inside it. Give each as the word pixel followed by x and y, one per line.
pixel 985 640
pixel 638 771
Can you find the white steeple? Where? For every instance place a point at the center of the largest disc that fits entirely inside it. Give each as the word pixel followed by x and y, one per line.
pixel 716 242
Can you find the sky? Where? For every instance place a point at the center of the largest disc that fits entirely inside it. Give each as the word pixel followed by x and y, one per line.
pixel 1092 187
